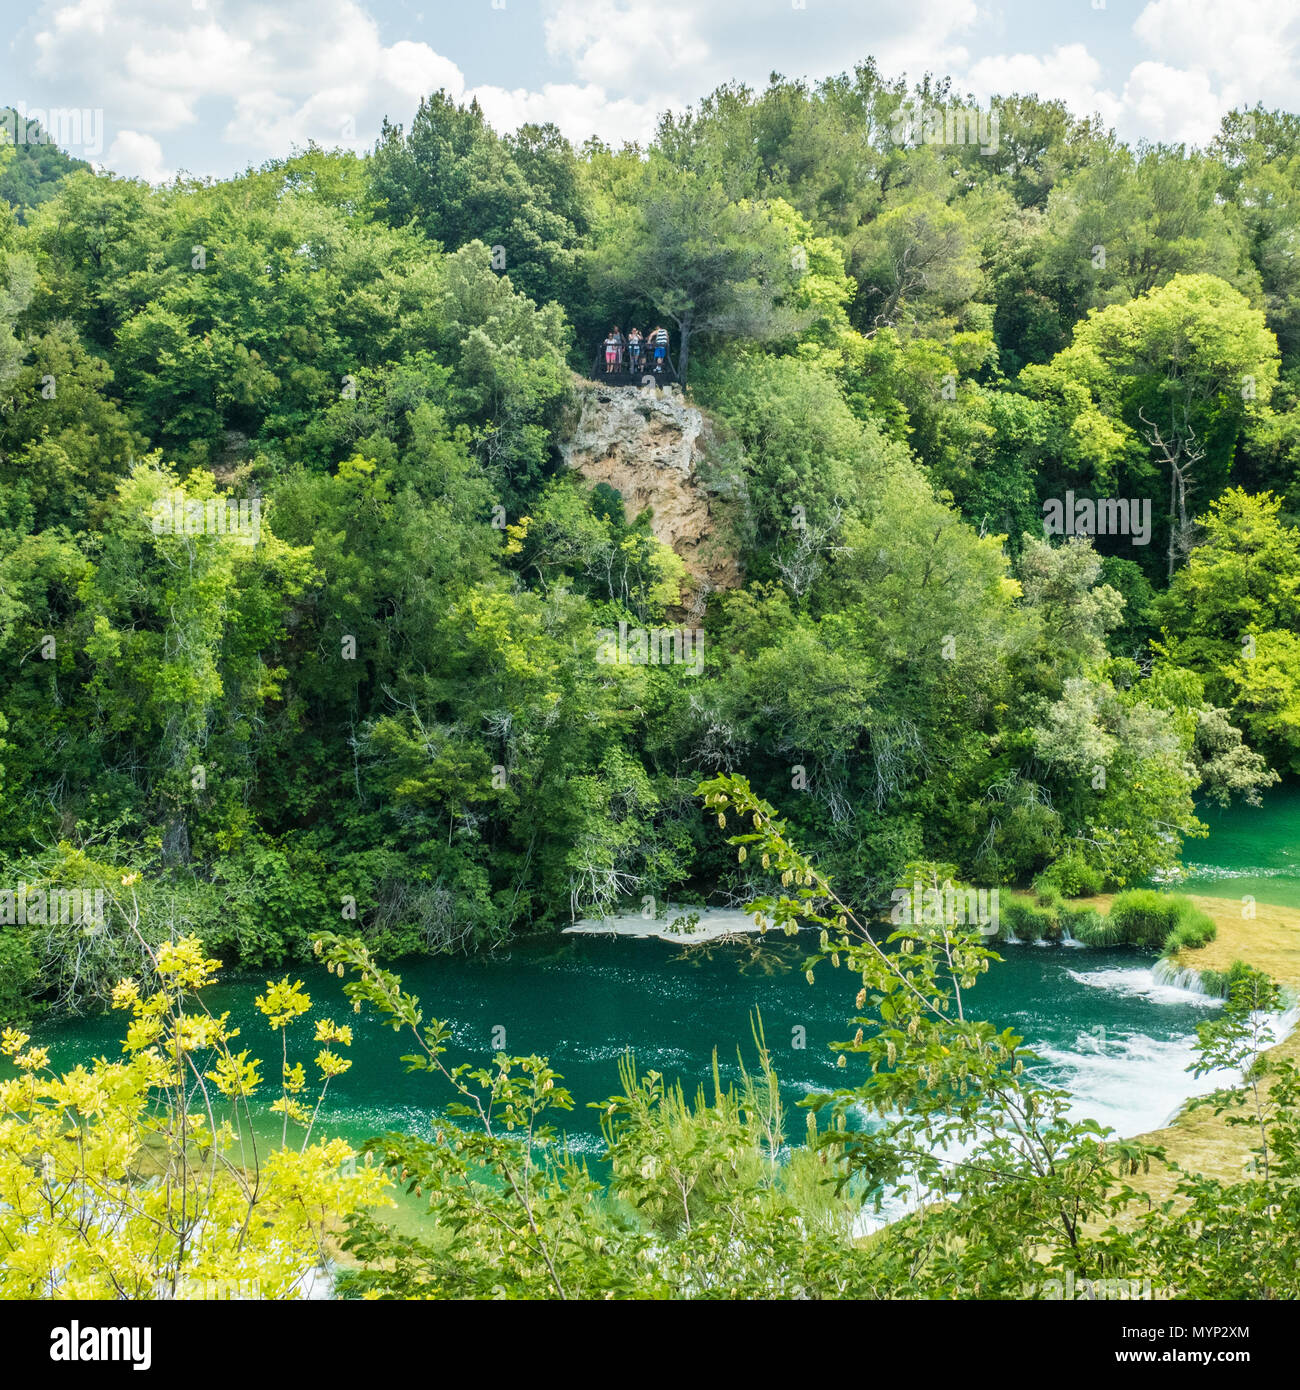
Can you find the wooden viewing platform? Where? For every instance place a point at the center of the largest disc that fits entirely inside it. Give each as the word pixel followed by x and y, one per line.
pixel 652 377
pixel 622 377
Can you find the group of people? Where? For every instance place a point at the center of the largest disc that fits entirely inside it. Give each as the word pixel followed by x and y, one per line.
pixel 634 348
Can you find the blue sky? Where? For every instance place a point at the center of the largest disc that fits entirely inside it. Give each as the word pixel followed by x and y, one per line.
pixel 210 86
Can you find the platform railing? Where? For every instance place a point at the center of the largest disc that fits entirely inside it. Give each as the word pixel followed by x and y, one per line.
pixel 625 376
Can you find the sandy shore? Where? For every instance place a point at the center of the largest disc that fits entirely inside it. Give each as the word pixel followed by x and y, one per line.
pixel 714 925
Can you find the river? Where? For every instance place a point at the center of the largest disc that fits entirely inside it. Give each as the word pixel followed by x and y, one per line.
pixel 1249 851
pixel 1102 1026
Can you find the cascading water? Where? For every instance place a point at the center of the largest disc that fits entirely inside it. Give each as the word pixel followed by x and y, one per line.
pixel 1183 977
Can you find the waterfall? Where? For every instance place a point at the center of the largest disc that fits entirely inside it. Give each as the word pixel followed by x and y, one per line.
pixel 1187 977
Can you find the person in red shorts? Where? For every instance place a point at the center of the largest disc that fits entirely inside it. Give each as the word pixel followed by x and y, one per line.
pixel 613 349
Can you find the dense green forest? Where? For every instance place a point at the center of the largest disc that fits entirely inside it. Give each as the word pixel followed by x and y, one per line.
pixel 304 630
pixel 387 715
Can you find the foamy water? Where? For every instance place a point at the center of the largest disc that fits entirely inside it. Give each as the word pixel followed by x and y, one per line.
pixel 1124 1079
pixel 1140 983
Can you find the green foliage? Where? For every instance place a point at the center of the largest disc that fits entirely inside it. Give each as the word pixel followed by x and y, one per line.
pixel 149 1180
pixel 392 704
pixel 1168 381
pixel 31 166
pixel 1093 928
pixel 939 1082
pixel 455 179
pixel 1072 876
pixel 683 248
pixel 1233 616
pixel 698 1203
pixel 19 969
pixel 389 710
pixel 1166 922
pixel 1028 922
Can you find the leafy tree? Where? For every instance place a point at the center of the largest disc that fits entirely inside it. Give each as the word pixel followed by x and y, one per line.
pixel 712 266
pixel 1128 221
pixel 1260 172
pixel 1156 393
pixel 33 166
pixel 459 182
pixel 64 445
pixel 917 260
pixel 1233 615
pixel 805 459
pixel 509 375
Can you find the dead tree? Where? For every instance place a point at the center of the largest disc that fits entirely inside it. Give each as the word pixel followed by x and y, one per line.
pixel 800 565
pixel 1180 454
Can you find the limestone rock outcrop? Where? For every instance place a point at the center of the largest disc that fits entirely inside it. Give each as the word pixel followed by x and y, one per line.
pixel 645 442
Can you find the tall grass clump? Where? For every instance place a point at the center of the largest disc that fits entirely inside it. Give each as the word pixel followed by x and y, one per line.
pixel 1164 922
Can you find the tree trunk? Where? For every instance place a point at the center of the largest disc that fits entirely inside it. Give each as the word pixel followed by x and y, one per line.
pixel 684 352
pixel 1173 524
pixel 176 841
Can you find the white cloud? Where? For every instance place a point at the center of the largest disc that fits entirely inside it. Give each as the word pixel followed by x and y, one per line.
pixel 653 58
pixel 137 156
pixel 415 70
pixel 172 72
pixel 577 111
pixel 1208 57
pixel 629 45
pixel 1069 73
pixel 254 75
pixel 258 77
pixel 231 81
pixel 1205 57
pixel 1172 105
pixel 1246 43
pixel 90 16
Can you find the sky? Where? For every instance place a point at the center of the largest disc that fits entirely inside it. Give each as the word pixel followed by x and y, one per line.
pixel 210 86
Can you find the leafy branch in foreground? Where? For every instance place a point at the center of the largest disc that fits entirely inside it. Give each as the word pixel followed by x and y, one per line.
pixel 1238 1239
pixel 956 1112
pixel 702 1200
pixel 142 1178
pixel 1003 1188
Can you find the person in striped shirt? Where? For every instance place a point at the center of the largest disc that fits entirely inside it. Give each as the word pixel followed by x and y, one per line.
pixel 659 346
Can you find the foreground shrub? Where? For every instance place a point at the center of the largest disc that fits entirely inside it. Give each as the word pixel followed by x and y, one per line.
pixel 137 1179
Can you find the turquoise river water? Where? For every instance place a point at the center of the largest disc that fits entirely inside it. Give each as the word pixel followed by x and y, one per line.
pixel 1101 1023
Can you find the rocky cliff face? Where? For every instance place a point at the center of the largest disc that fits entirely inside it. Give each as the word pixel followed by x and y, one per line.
pixel 645 442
